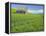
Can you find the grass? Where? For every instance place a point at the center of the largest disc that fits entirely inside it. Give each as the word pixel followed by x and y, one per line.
pixel 26 22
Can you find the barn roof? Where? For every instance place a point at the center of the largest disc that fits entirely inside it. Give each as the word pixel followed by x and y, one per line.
pixel 21 8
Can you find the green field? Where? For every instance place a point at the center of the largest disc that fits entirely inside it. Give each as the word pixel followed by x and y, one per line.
pixel 26 23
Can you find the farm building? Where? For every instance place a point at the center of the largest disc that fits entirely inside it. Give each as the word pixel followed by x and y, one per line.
pixel 21 9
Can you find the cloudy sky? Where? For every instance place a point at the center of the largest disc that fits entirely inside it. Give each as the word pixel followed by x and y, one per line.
pixel 31 8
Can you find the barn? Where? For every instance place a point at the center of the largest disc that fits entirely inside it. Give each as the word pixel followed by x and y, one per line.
pixel 21 10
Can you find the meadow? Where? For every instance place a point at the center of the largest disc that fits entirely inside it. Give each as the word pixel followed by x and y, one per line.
pixel 26 22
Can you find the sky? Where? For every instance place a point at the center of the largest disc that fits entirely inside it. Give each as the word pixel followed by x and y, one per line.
pixel 33 8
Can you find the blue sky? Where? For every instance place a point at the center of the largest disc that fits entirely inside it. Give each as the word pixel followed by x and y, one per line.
pixel 32 8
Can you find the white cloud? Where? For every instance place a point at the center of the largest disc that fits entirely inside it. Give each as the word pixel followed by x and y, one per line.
pixel 35 11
